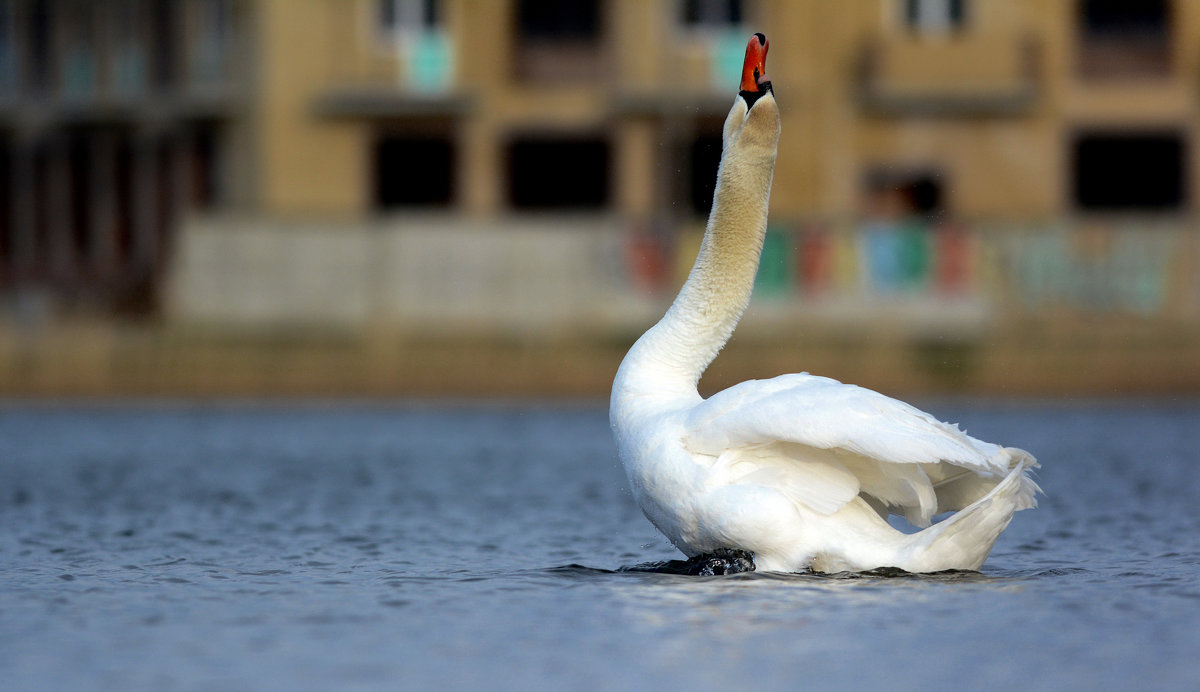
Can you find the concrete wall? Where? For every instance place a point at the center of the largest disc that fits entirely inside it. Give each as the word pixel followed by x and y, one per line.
pixel 593 276
pixel 427 275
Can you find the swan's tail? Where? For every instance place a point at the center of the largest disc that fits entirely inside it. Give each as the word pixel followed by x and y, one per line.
pixel 964 540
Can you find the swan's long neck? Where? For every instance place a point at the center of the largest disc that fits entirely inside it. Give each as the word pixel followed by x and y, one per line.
pixel 672 355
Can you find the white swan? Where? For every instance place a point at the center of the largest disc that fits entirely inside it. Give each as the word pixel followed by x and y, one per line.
pixel 800 471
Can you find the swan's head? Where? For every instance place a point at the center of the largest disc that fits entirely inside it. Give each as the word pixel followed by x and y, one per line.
pixel 755 83
pixel 754 119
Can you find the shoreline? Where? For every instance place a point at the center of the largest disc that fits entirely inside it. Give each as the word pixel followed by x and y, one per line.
pixel 86 360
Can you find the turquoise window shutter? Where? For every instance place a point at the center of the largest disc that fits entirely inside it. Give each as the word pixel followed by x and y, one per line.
pixel 430 62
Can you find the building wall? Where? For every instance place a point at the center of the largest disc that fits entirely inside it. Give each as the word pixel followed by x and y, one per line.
pixel 991 108
pixel 117 120
pixel 309 95
pixel 309 165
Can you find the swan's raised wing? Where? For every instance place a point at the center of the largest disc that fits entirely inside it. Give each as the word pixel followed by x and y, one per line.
pixel 826 414
pixel 898 454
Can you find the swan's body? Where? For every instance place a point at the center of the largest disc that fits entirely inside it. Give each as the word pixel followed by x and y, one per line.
pixel 800 471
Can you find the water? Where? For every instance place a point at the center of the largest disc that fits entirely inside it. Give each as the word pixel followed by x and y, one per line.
pixel 293 547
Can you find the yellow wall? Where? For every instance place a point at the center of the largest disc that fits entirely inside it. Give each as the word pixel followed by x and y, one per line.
pixel 996 164
pixel 309 165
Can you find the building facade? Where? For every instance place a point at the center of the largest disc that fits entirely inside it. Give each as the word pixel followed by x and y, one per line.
pixel 115 121
pixel 121 120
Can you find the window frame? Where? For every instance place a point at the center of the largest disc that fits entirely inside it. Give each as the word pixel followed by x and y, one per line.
pixel 408 18
pixel 934 17
pixel 711 22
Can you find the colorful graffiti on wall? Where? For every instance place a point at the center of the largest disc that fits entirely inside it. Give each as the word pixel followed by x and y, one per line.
pixel 1099 269
pixel 1127 268
pixel 877 260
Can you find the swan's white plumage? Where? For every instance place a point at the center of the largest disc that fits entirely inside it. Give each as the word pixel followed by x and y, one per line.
pixel 892 452
pixel 802 471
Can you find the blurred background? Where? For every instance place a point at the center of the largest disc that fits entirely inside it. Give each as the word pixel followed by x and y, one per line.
pixel 496 197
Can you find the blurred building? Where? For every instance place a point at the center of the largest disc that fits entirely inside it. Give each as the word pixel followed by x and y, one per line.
pixel 264 155
pixel 117 118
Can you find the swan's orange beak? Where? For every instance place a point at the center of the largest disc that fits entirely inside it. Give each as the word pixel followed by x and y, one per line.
pixel 754 69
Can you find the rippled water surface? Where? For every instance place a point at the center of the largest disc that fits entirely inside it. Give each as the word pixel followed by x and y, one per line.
pixel 244 546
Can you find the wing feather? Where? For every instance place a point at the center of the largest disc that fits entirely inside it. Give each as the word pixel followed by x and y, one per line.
pixel 890 447
pixel 826 414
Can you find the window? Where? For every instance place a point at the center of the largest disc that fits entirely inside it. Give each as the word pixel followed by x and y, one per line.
pixel 1124 17
pixel 78 31
pixel 558 41
pixel 398 17
pixel 710 14
pixel 704 158
pixel 205 164
pixel 411 29
pixel 78 174
pixel 1124 38
pixel 558 173
pixel 1129 172
pixel 8 240
pixel 40 40
pixel 211 23
pixel 8 49
pixel 413 171
pixel 554 20
pixel 934 16
pixel 128 65
pixel 899 193
pixel 164 46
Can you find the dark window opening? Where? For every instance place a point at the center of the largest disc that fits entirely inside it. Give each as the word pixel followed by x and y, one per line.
pixel 710 13
pixel 898 194
pixel 163 20
pixel 127 62
pixel 8 48
pixel 559 41
pixel 1125 38
pixel 7 239
pixel 38 74
pixel 1129 172
pixel 39 201
pixel 554 20
pixel 166 212
pixel 1124 17
pixel 123 202
pixel 77 35
pixel 558 173
pixel 204 167
pixel 79 170
pixel 413 171
pixel 704 159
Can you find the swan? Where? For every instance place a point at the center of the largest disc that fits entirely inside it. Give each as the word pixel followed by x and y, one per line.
pixel 799 471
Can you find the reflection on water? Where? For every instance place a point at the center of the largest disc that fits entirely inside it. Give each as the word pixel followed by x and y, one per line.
pixel 308 547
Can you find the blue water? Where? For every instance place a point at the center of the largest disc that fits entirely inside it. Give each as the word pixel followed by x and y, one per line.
pixel 370 546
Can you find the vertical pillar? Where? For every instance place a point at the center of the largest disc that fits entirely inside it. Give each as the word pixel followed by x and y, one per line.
pixel 634 172
pixel 480 163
